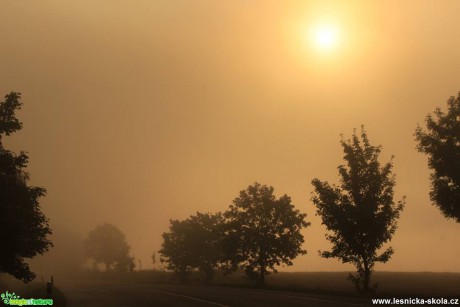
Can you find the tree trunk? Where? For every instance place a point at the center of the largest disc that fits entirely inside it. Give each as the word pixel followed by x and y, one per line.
pixel 183 276
pixel 262 275
pixel 367 279
pixel 209 273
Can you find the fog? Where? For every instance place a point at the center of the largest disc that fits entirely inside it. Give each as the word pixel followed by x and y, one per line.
pixel 138 112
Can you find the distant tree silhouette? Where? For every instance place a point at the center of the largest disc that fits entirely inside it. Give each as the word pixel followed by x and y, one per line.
pixel 193 244
pixel 23 226
pixel 125 264
pixel 262 232
pixel 107 244
pixel 154 259
pixel 441 142
pixel 360 214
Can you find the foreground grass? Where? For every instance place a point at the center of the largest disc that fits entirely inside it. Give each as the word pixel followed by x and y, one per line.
pixel 391 284
pixel 398 284
pixel 401 284
pixel 35 289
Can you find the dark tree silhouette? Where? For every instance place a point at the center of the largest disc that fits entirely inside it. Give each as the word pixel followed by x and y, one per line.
pixel 193 244
pixel 107 244
pixel 154 259
pixel 125 264
pixel 262 232
pixel 441 142
pixel 360 214
pixel 23 227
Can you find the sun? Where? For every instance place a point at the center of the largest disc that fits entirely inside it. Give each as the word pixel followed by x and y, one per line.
pixel 324 36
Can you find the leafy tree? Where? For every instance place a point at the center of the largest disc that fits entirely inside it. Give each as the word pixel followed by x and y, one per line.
pixel 193 244
pixel 263 232
pixel 107 244
pixel 360 213
pixel 154 259
pixel 442 144
pixel 125 264
pixel 23 227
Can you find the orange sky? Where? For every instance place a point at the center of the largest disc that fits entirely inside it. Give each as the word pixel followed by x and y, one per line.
pixel 137 112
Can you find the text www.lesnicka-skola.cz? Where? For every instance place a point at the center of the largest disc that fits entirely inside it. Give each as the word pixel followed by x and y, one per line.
pixel 415 301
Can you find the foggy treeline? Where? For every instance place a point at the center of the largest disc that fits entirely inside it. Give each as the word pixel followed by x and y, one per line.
pixel 156 152
pixel 260 232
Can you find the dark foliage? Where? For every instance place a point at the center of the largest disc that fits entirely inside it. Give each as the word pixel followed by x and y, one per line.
pixel 262 232
pixel 23 227
pixel 360 213
pixel 441 142
pixel 193 244
pixel 107 244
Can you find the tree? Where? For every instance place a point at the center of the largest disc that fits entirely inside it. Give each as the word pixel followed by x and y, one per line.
pixel 23 226
pixel 193 244
pixel 263 232
pixel 442 144
pixel 154 259
pixel 125 264
pixel 359 214
pixel 107 244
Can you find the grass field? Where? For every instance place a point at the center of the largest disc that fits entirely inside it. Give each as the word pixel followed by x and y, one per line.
pixel 391 284
pixel 421 284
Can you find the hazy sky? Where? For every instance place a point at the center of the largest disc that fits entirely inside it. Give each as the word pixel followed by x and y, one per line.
pixel 137 112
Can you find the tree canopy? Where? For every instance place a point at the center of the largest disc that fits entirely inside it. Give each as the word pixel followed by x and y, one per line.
pixel 263 232
pixel 23 227
pixel 441 142
pixel 360 214
pixel 107 244
pixel 193 244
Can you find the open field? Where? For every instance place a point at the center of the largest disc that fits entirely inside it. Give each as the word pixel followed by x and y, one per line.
pixel 149 288
pixel 420 284
pixel 391 283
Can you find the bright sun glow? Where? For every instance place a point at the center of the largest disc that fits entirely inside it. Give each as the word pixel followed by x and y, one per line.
pixel 325 37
